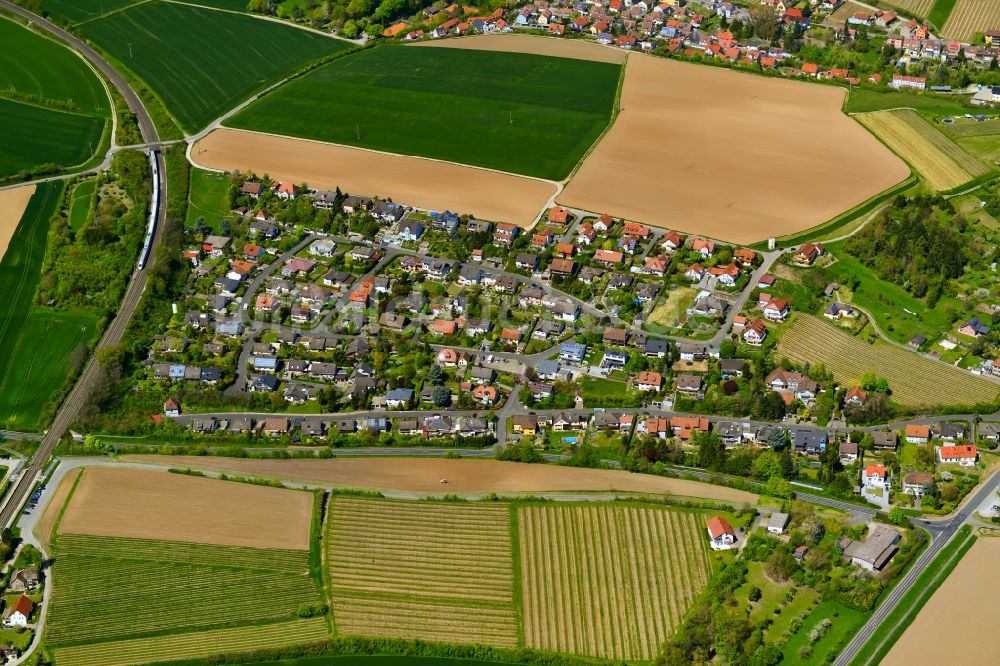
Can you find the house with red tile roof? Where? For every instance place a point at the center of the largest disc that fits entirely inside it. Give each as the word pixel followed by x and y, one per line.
pixel 721 534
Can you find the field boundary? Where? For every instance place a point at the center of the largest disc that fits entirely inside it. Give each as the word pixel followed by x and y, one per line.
pixel 615 109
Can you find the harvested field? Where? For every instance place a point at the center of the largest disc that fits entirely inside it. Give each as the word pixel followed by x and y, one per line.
pixel 962 130
pixel 971 16
pixel 915 381
pixel 435 571
pixel 976 581
pixel 43 528
pixel 415 181
pixel 767 121
pixel 13 202
pixel 919 8
pixel 146 504
pixel 195 645
pixel 464 476
pixel 538 45
pixel 940 161
pixel 608 581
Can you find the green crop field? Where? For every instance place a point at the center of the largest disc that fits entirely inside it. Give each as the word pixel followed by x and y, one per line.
pixel 20 270
pixel 31 65
pixel 915 381
pixel 77 11
pixel 609 581
pixel 527 114
pixel 34 135
pixel 47 339
pixel 437 571
pixel 81 205
pixel 148 587
pixel 202 62
pixel 208 197
pixel 194 646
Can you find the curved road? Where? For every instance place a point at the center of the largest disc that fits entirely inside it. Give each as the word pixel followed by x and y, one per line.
pixel 113 335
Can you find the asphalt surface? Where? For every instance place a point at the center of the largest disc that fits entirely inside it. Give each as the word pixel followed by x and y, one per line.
pixel 116 329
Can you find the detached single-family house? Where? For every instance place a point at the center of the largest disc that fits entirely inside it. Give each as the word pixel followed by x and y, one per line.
pixel 777 522
pixel 720 533
pixel 18 614
pixel 918 434
pixel 398 398
pixel 876 477
pixel 917 483
pixel 964 454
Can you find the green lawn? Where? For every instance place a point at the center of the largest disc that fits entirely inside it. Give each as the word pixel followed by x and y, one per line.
pixel 82 203
pixel 528 114
pixel 939 14
pixel 597 388
pixel 888 302
pixel 47 339
pixel 201 62
pixel 31 65
pixel 20 270
pixel 208 197
pixel 33 136
pixel 846 622
pixel 928 104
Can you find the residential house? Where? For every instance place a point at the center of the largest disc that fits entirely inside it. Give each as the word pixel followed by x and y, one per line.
pixel 776 309
pixel 876 477
pixel 649 381
pixel 755 332
pixel 399 398
pixel 963 454
pixel 572 352
pixel 875 551
pixel 777 522
pixel 917 483
pixel 720 533
pixel 808 253
pixel 810 442
pixel 917 434
pixel 848 453
pixel 689 384
pixel 974 328
pixel 19 613
pixel 24 580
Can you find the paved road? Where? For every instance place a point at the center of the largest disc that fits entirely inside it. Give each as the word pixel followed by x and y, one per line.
pixel 113 335
pixel 942 532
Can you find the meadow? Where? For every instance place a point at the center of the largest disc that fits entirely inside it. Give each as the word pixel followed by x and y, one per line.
pixel 609 581
pixel 514 112
pixel 20 270
pixel 437 571
pixel 81 203
pixel 34 66
pixel 940 161
pixel 201 62
pixel 970 17
pixel 208 198
pixel 915 381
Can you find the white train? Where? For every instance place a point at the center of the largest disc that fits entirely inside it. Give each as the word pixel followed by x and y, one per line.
pixel 154 210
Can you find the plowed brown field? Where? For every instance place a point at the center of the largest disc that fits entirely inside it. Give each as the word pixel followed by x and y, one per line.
pixel 729 155
pixel 464 476
pixel 969 593
pixel 12 205
pixel 146 504
pixel 538 45
pixel 413 181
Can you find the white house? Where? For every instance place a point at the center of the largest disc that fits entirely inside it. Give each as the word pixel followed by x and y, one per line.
pixel 963 454
pixel 720 533
pixel 777 523
pixel 876 477
pixel 917 483
pixel 18 614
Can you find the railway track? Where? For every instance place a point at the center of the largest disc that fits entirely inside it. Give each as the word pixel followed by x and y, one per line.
pixel 116 329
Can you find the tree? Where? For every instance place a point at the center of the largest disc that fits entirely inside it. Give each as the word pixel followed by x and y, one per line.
pixel 201 227
pixel 778 487
pixel 777 566
pixel 896 516
pixel 776 438
pixel 711 450
pixel 226 227
pixel 767 465
pixel 754 594
pixel 436 375
pixel 441 396
pixel 524 451
pixel 813 529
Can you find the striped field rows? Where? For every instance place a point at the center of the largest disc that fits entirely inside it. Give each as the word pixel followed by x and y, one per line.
pixel 971 16
pixel 438 571
pixel 919 8
pixel 940 161
pixel 194 645
pixel 608 581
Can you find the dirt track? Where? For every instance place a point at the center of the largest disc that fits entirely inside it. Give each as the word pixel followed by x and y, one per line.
pixel 968 597
pixel 464 476
pixel 536 44
pixel 146 504
pixel 12 205
pixel 729 155
pixel 414 181
pixel 43 529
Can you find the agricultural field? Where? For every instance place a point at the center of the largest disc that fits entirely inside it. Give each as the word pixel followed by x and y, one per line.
pixel 208 198
pixel 765 117
pixel 919 8
pixel 608 581
pixel 81 203
pixel 915 381
pixel 78 11
pixel 526 43
pixel 13 202
pixel 464 476
pixel 33 136
pixel 972 128
pixel 480 108
pixel 970 17
pixel 194 645
pixel 196 59
pixel 20 270
pixel 941 162
pixel 420 182
pixel 436 571
pixel 145 504
pixel 48 340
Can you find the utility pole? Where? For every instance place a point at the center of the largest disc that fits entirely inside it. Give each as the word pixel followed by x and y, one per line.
pixel 358 130
pixel 130 50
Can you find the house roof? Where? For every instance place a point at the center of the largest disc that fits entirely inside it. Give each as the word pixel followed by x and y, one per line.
pixel 875 470
pixel 718 526
pixel 913 430
pixel 960 451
